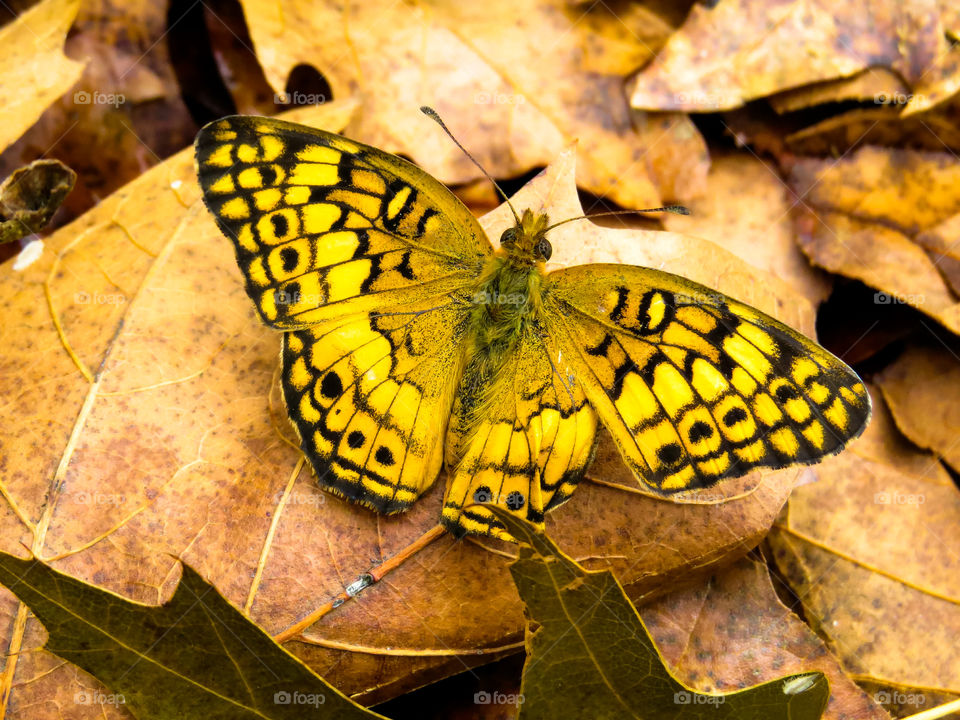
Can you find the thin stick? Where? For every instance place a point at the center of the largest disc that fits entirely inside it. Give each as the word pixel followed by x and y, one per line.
pixel 371 577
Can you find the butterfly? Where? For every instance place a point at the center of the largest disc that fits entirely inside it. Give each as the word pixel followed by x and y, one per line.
pixel 411 345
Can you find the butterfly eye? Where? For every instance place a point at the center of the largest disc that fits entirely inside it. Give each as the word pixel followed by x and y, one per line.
pixel 544 248
pixel 509 236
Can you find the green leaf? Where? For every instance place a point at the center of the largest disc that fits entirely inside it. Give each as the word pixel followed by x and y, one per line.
pixel 590 655
pixel 195 656
pixel 30 197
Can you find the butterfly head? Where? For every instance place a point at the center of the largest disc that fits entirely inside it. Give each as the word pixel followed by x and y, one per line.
pixel 526 241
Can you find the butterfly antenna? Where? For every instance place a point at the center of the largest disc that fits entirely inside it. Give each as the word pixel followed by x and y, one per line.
pixel 432 114
pixel 675 209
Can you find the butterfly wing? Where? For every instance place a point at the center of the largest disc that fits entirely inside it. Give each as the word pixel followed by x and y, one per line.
pixel 359 255
pixel 694 386
pixel 530 446
pixel 324 226
pixel 370 396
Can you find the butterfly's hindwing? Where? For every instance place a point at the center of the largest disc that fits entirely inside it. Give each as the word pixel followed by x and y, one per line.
pixel 324 226
pixel 370 394
pixel 694 386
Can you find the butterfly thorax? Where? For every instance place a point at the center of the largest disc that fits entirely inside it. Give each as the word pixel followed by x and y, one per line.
pixel 506 305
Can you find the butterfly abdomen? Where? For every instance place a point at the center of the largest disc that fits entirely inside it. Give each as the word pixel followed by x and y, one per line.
pixel 505 305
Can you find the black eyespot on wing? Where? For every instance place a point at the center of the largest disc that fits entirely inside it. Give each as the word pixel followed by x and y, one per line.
pixel 356 439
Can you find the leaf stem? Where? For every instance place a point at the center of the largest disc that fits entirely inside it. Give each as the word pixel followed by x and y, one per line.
pixel 371 577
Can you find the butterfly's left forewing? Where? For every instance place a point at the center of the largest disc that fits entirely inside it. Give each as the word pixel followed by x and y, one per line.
pixel 360 256
pixel 694 386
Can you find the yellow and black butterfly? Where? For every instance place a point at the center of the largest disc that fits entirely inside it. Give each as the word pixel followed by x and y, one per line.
pixel 410 343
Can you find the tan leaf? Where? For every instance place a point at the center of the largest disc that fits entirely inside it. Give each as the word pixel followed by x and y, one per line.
pixel 484 68
pixel 860 215
pixel 922 389
pixel 33 68
pixel 872 550
pixel 733 52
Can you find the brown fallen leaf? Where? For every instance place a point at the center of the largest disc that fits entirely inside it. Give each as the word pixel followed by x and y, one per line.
pixel 872 549
pixel 483 68
pixel 876 85
pixel 861 214
pixel 758 49
pixel 882 125
pixel 33 68
pixel 746 210
pixel 122 115
pixel 732 631
pixel 139 378
pixel 922 390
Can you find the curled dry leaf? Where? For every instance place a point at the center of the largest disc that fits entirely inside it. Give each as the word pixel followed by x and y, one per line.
pixel 922 389
pixel 873 551
pixel 33 69
pixel 865 216
pixel 138 426
pixel 483 67
pixel 874 85
pixel 30 197
pixel 732 52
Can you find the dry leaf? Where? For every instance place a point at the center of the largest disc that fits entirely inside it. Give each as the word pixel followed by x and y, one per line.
pixel 733 631
pixel 875 85
pixel 861 214
pixel 746 210
pixel 158 439
pixel 30 197
pixel 483 67
pixel 123 114
pixel 33 69
pixel 922 389
pixel 873 551
pixel 736 51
